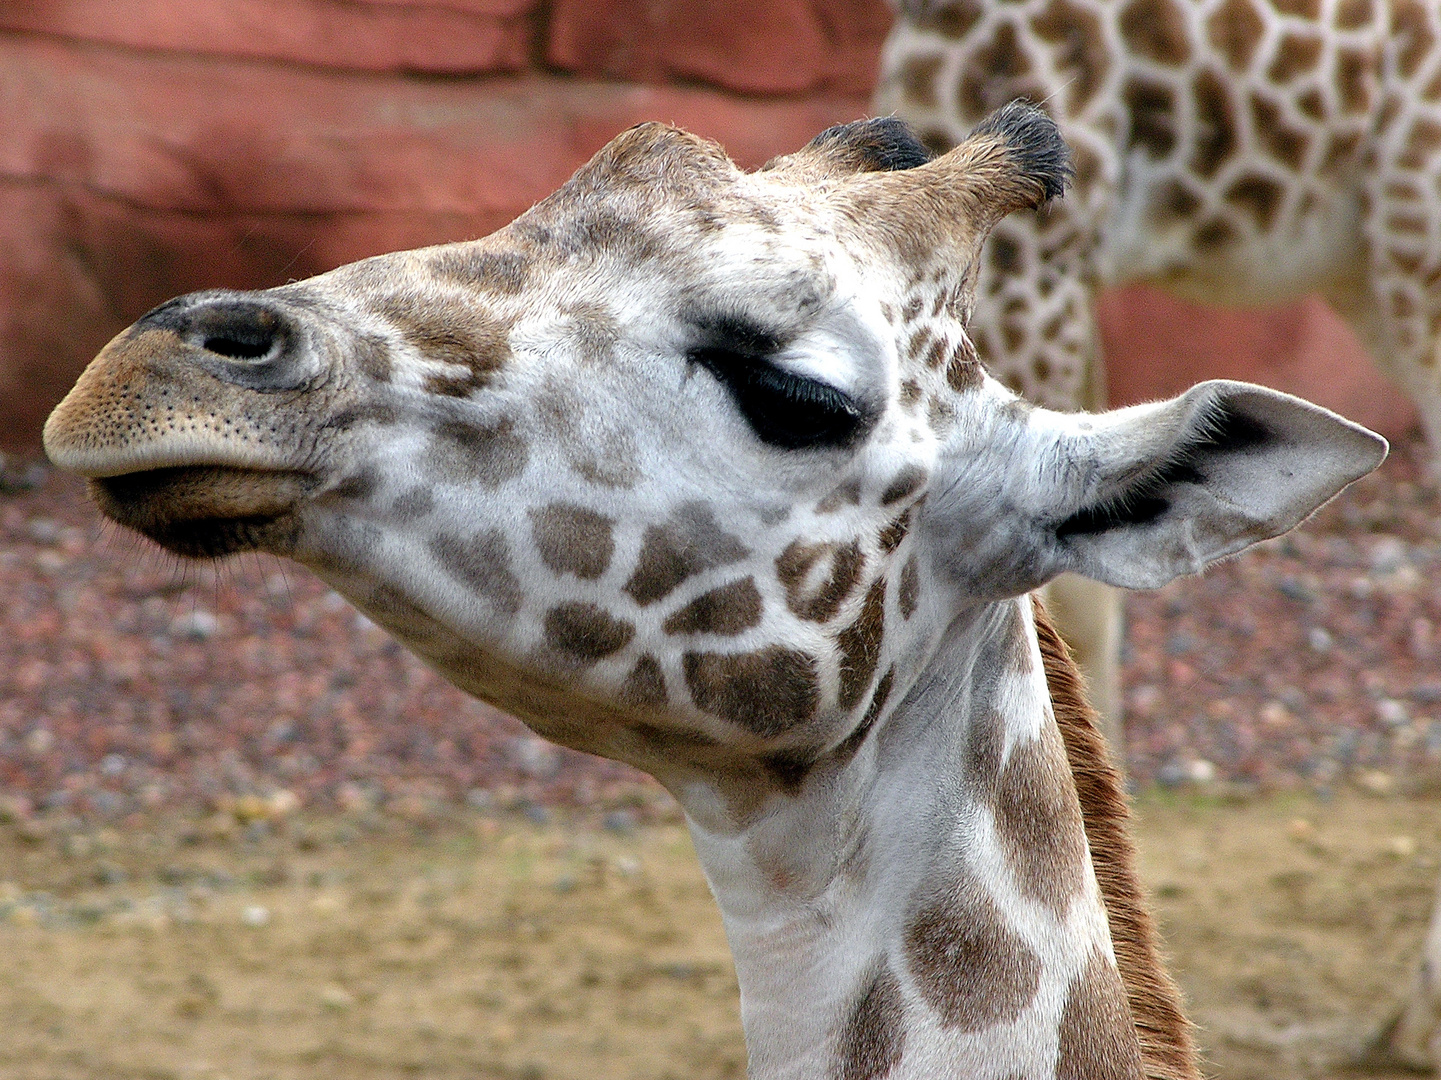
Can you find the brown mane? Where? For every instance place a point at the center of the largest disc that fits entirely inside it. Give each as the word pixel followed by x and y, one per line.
pixel 1168 1048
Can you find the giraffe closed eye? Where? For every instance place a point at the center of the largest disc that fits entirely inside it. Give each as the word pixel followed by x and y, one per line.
pixel 785 410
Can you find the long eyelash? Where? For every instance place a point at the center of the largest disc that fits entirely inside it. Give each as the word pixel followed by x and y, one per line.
pixel 785 410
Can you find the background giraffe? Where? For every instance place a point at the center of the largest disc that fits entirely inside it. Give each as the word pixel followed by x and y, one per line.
pixel 698 469
pixel 1232 151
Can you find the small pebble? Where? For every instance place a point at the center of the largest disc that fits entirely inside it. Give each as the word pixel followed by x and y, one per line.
pixel 255 915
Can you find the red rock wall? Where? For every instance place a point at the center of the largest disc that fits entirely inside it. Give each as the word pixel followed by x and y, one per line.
pixel 151 147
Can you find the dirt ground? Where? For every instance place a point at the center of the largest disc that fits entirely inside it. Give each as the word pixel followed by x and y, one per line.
pixel 363 947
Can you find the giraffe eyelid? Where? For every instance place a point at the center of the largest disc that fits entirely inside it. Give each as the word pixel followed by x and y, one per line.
pixel 785 410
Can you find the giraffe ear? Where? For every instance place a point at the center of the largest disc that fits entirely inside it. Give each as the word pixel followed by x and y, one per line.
pixel 882 144
pixel 1156 491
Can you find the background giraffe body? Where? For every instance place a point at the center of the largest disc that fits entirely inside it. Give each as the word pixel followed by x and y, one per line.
pixel 698 469
pixel 1234 151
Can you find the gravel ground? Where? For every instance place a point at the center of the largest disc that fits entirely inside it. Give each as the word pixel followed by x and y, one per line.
pixel 130 682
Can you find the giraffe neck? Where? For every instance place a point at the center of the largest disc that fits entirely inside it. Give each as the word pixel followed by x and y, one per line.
pixel 927 907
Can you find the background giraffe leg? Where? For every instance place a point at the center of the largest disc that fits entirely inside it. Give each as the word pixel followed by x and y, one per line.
pixel 1410 1038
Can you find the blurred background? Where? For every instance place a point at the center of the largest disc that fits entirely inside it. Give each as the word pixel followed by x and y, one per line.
pixel 243 834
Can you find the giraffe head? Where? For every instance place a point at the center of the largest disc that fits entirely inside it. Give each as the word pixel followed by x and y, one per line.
pixel 687 466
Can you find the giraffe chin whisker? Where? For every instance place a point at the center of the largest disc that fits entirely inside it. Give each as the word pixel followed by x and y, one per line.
pixel 206 512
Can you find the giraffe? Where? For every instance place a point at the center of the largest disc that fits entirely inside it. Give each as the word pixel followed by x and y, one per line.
pixel 1240 152
pixel 698 469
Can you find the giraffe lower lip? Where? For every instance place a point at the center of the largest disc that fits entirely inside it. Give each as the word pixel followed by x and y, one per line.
pixel 206 511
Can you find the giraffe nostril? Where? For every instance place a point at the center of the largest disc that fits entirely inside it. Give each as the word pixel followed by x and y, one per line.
pixel 240 346
pixel 253 340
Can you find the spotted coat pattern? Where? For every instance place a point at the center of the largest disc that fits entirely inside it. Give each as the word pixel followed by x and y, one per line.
pixel 1235 151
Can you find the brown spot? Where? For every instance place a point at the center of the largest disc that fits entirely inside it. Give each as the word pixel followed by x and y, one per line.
pixel 1412 33
pixel 1340 152
pixel 766 692
pixel 951 20
pixel 1156 29
pixel 845 494
pixel 857 738
pixel 372 357
pixel 476 453
pixel 1152 107
pixel 861 646
pixel 413 503
pixel 1415 223
pixel 1354 14
pixel 482 562
pixel 972 969
pixel 450 333
pixel 1283 143
pixel 586 632
pixel 906 483
pixel 1038 821
pixel 401 615
pixel 909 592
pixel 1215 124
pixel 788 768
pixel 808 594
pixel 1422 142
pixel 917 78
pixel 1088 165
pixel 572 539
pixel 985 744
pixel 920 341
pixel 986 81
pixel 936 354
pixel 645 685
pixel 874 1037
pixel 1080 51
pixel 910 396
pixel 1407 262
pixel 1312 103
pixel 607 460
pixel 963 370
pixel 728 609
pixel 1214 234
pixel 495 271
pixel 358 486
pixel 1098 1038
pixel 1174 201
pixel 1310 10
pixel 1297 54
pixel 892 535
pixel 688 543
pixel 1235 29
pixel 1258 194
pixel 1005 254
pixel 1354 75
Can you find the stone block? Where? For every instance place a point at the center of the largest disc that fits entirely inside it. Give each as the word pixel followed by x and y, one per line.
pixel 778 47
pixel 450 36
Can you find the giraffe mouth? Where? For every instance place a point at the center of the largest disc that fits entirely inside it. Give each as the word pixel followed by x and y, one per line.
pixel 206 511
